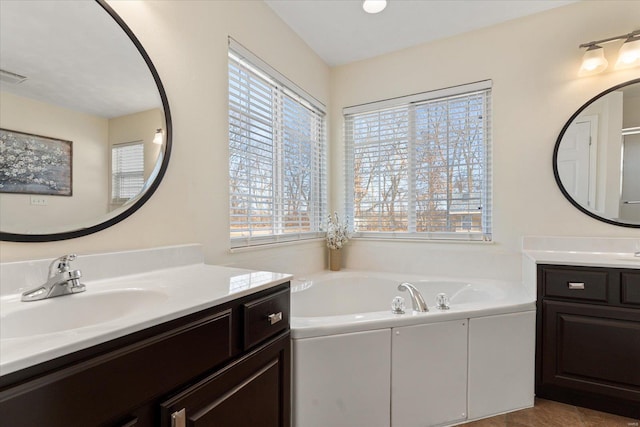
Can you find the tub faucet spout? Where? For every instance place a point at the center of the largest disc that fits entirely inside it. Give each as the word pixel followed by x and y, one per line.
pixel 416 297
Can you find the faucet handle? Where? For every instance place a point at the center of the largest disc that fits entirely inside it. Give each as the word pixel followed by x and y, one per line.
pixel 442 301
pixel 397 305
pixel 61 264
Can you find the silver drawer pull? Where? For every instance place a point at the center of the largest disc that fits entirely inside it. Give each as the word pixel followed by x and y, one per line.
pixel 274 318
pixel 179 418
pixel 576 285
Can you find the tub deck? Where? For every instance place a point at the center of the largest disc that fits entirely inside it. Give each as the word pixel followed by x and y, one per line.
pixel 331 303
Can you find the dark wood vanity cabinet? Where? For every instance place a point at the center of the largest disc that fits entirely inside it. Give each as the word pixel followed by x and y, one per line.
pixel 588 337
pixel 199 370
pixel 249 392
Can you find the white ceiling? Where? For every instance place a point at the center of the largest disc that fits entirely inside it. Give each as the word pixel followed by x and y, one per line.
pixel 75 56
pixel 339 31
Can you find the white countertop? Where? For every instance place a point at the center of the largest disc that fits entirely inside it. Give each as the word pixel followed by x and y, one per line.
pixel 178 291
pixel 589 259
pixel 613 252
pixel 617 252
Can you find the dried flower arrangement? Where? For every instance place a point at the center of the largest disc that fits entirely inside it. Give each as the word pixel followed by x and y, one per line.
pixel 337 232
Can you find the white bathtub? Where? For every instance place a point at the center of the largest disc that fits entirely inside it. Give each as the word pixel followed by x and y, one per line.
pixel 355 363
pixel 350 301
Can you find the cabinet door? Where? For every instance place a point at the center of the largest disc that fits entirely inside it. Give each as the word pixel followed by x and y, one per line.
pixel 501 363
pixel 593 349
pixel 342 380
pixel 429 374
pixel 253 391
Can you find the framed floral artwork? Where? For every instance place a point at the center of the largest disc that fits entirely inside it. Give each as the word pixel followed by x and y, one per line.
pixel 35 164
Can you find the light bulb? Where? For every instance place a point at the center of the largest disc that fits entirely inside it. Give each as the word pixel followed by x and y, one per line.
pixel 374 6
pixel 629 53
pixel 593 61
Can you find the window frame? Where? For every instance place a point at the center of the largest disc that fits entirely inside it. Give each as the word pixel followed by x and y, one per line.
pixel 120 201
pixel 284 91
pixel 413 102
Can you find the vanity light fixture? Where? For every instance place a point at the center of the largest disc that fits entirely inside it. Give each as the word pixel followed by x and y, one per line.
pixel 374 6
pixel 629 53
pixel 594 61
pixel 158 137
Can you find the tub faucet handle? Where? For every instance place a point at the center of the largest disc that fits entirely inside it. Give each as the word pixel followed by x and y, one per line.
pixel 397 305
pixel 442 301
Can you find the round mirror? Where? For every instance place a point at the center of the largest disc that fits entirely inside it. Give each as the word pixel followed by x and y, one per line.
pixel 596 160
pixel 85 129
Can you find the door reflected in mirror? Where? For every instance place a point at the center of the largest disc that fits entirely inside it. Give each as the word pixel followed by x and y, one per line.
pixel 597 156
pixel 72 71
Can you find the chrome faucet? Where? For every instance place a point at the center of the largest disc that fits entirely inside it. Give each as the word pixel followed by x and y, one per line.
pixel 416 297
pixel 62 281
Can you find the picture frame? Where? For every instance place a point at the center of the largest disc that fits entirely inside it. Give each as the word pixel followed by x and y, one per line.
pixel 35 164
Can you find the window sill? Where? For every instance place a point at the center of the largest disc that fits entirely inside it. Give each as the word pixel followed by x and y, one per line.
pixel 419 239
pixel 319 241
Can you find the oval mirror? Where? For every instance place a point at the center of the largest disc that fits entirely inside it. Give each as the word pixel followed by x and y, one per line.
pixel 596 160
pixel 85 129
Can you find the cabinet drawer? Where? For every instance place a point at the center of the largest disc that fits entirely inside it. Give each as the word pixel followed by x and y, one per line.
pixel 591 285
pixel 265 317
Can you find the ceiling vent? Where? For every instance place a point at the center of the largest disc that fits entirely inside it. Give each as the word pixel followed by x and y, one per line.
pixel 9 77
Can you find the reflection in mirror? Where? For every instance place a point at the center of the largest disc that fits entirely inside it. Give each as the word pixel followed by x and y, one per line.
pixel 72 72
pixel 597 156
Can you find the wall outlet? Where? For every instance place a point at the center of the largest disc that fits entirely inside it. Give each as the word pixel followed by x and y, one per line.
pixel 39 201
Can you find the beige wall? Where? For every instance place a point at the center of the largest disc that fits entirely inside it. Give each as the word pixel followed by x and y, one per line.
pixel 533 63
pixel 90 162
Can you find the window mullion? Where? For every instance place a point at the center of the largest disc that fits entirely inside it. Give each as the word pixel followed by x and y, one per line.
pixel 278 164
pixel 315 214
pixel 411 170
pixel 487 163
pixel 448 167
pixel 349 172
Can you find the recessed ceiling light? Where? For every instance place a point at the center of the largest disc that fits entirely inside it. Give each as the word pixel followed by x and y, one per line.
pixel 374 6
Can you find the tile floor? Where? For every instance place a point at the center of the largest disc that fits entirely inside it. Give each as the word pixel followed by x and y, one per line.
pixel 547 413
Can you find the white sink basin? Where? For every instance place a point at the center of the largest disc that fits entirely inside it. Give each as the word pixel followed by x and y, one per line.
pixel 76 311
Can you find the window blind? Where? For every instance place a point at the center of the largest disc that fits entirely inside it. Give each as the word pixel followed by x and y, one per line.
pixel 420 166
pixel 277 157
pixel 127 171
